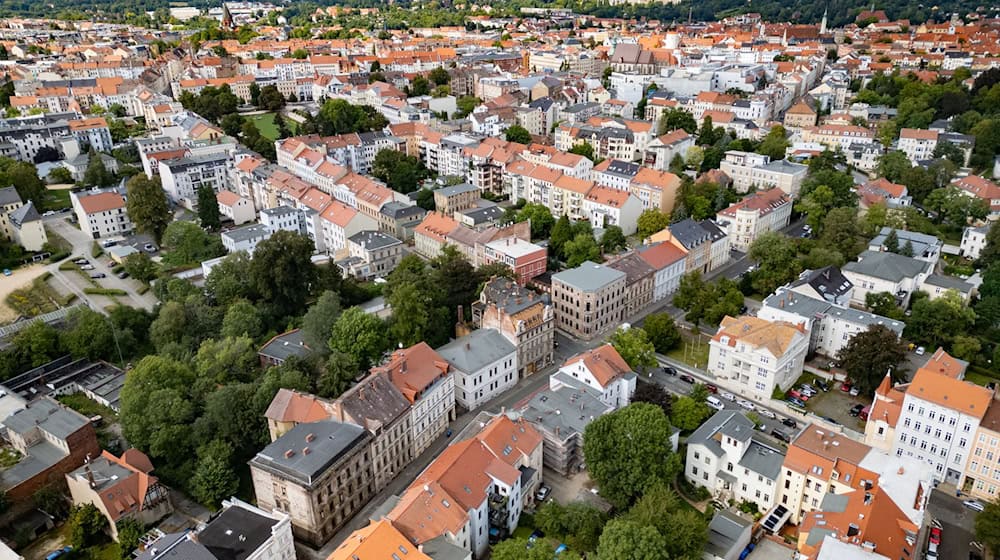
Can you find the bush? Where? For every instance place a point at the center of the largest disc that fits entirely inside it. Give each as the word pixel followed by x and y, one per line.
pixel 96 250
pixel 56 257
pixel 105 292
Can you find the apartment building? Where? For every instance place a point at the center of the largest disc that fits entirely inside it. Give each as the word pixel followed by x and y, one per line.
pixel 380 540
pixel 749 170
pixel 600 370
pixel 183 177
pixel 983 189
pixel 92 132
pixel 920 246
pixel 661 151
pixel 882 191
pixel 982 474
pixel 235 208
pixel 704 243
pixel 562 434
pixel 318 473
pixel 973 241
pixel 456 198
pixel 525 318
pixel 754 216
pixel 655 189
pixel 20 223
pixel 605 206
pixel 101 213
pixel 373 254
pixel 432 234
pixel 725 457
pixel 424 377
pixel 524 258
pixel 758 354
pixel 589 300
pixel 668 262
pixel 484 365
pixel 841 136
pixel 640 282
pixel 879 271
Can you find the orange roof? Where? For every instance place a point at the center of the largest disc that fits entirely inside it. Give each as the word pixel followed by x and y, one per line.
pixel 427 511
pixel 775 336
pixel 128 493
pixel 292 406
pixel 816 446
pixel 573 184
pixel 412 370
pixel 437 226
pixel 607 196
pixel 88 124
pixel 764 202
pixel 339 214
pixel 945 364
pixel 651 177
pixel 102 202
pixel 960 396
pixel 502 432
pixel 466 470
pixel 227 198
pixel 918 134
pixel 378 541
pixel 603 362
pixel 662 255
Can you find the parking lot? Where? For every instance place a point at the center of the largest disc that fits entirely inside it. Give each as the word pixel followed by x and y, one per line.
pixel 837 404
pixel 957 526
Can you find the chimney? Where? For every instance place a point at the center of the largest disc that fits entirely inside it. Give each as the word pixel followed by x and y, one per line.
pixel 90 474
pixel 310 437
pixel 402 366
pixel 289 454
pixel 305 450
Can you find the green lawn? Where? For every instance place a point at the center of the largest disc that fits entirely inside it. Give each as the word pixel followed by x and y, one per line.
pixel 80 403
pixel 265 124
pixel 691 353
pixel 56 199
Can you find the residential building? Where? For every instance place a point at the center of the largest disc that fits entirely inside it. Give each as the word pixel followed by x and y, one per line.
pixel 457 198
pixel 380 540
pixel 749 170
pixel 281 347
pixel 841 136
pixel 373 254
pixel 483 364
pixel 704 243
pixel 982 473
pixel 754 216
pixel 600 370
pixel 937 285
pixel 20 223
pixel 661 151
pixel 728 536
pixel 524 317
pixel 240 531
pixel 668 262
pixel 432 234
pixel 656 190
pixel 183 177
pixel 319 473
pixel 589 300
pixel 52 440
pixel 917 144
pixel 120 488
pixel 524 258
pixel 758 354
pixel 800 115
pixel 725 457
pixel 983 189
pixel 879 271
pixel 605 206
pixel 640 282
pixel 882 191
pixel 973 241
pixel 235 208
pixel 101 213
pixel 828 284
pixel 424 377
pixel 399 219
pixel 92 132
pixel 245 238
pixel 562 434
pixel 920 246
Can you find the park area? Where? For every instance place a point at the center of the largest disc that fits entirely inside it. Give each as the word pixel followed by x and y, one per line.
pixel 265 124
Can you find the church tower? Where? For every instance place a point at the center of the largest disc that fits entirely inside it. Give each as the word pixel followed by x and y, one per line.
pixel 822 24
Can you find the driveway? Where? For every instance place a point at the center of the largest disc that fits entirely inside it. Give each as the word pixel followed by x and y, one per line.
pixel 957 525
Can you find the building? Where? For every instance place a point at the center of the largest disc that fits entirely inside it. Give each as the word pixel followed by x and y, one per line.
pixel 52 440
pixel 319 474
pixel 183 177
pixel 800 115
pixel 373 254
pixel 432 234
pixel 235 208
pixel 589 300
pixel 457 198
pixel 704 243
pixel 605 206
pixel 754 216
pixel 883 191
pixel 101 213
pixel 483 364
pixel 562 434
pixel 120 488
pixel 982 473
pixel 668 262
pixel 920 246
pixel 754 171
pixel 524 258
pixel 291 344
pixel 640 282
pixel 601 370
pixel 983 189
pixel 524 317
pixel 880 271
pixel 973 241
pixel 661 151
pixel 399 219
pixel 380 540
pixel 240 532
pixel 20 223
pixel 725 457
pixel 917 144
pixel 424 378
pixel 728 536
pixel 245 238
pixel 759 355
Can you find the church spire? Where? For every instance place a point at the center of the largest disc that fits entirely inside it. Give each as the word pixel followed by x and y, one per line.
pixel 822 24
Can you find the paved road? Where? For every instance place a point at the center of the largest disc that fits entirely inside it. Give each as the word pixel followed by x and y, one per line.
pixel 957 525
pixel 82 244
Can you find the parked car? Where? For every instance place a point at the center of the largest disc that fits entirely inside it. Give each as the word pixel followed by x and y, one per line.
pixel 86 267
pixel 81 261
pixel 109 243
pixel 7 272
pixel 542 493
pixel 123 275
pixel 856 409
pixel 798 395
pixel 149 248
pixel 58 553
pixel 854 392
pixel 863 415
pixel 796 402
pixel 809 390
pixel 728 396
pixel 687 378
pixel 790 423
pixel 768 413
pixel 779 435
pixel 745 404
pixel 974 505
pixel 822 384
pixel 712 388
pixel 936 535
pixel 670 370
pixel 920 351
pixel 845 387
pixel 98 275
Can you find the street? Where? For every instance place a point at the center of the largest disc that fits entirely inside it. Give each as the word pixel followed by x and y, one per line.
pixel 957 522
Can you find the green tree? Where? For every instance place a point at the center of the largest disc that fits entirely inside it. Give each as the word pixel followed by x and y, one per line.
pixel 884 304
pixel 208 208
pixel 232 124
pixel 776 261
pixel 626 540
pixel 89 335
pixel 214 479
pixel 988 527
pixel 629 450
pixel 157 409
pixel 242 319
pixel 140 267
pixel 892 165
pixel 86 526
pixel 317 323
pixel 282 271
pixel 519 134
pixel 707 302
pixel 579 524
pixel 187 243
pixel 40 342
pixel 147 206
pixel 228 360
pixel 360 335
pixel 541 219
pixel 401 172
pixel 586 150
pixel 651 221
pixel 439 76
pixel 129 533
pixel 97 175
pixel 662 332
pixel 991 251
pixel 521 549
pixel 270 98
pixel 868 356
pixel 775 143
pixel 419 85
pixel 413 313
pixel 561 234
pixel 228 281
pixel 660 508
pixel 24 177
pixel 634 347
pixel 891 242
pixel 842 233
pixel 613 239
pixel 580 249
pixel 687 413
pixel 338 373
pixel 937 322
pixel 673 119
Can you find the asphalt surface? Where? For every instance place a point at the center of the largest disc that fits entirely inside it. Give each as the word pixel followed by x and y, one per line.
pixel 957 524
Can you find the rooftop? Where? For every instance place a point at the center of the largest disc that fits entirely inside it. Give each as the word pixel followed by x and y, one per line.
pixel 476 350
pixel 306 451
pixel 588 277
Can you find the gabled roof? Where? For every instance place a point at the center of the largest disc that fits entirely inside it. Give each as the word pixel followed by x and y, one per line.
pixel 413 370
pixel 886 265
pixel 961 396
pixel 603 362
pixel 378 541
pixel 775 336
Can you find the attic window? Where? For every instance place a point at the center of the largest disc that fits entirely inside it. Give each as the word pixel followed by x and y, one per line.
pixel 507 449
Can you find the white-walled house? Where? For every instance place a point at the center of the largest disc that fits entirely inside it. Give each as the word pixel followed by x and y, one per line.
pixel 235 208
pixel 101 213
pixel 606 206
pixel 882 271
pixel 484 365
pixel 757 354
pixel 973 240
pixel 601 370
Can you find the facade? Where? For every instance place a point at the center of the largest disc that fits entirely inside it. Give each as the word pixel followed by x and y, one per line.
pixel 917 144
pixel 973 241
pixel 20 223
pixel 705 244
pixel 457 198
pixel 878 271
pixel 669 263
pixel 525 318
pixel 749 170
pixel 724 457
pixel 101 214
pixel 235 208
pixel 373 254
pixel 754 216
pixel 483 364
pixel 600 370
pixel 524 258
pixel 982 474
pixel 605 206
pixel 245 238
pixel 640 282
pixel 759 355
pixel 318 473
pixel 589 299
pixel 183 177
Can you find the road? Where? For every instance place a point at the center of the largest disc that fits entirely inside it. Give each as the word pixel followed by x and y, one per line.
pixel 740 263
pixel 81 247
pixel 957 524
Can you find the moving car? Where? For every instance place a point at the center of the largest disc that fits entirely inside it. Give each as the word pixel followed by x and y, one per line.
pixel 856 409
pixel 670 370
pixel 711 388
pixel 687 378
pixel 768 413
pixel 974 505
pixel 728 396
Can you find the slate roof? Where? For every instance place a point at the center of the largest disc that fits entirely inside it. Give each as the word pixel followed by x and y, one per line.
pixel 331 440
pixel 476 350
pixel 887 266
pixel 589 276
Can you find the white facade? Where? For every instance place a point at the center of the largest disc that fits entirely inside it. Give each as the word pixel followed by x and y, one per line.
pixel 934 434
pixel 602 214
pixel 182 178
pixel 101 214
pixel 484 365
pixel 973 241
pixel 757 354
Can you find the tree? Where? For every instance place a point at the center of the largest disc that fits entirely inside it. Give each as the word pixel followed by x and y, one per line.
pixel 522 549
pixel 186 243
pixel 439 76
pixel 653 394
pixel 613 239
pixel 580 249
pixel 89 335
pixel 707 302
pixel 586 150
pixel 401 172
pixel 937 322
pixel 147 206
pixel 892 165
pixel 360 335
pixel 40 342
pixel 214 479
pixel 338 373
pixel 891 242
pixel 673 119
pixel 232 124
pixel 282 271
pixel 634 347
pixel 541 219
pixel 270 98
pixel 281 126
pixel 652 221
pixel 953 205
pixel 140 266
pixel 662 332
pixel 659 507
pixel 884 304
pixel 242 319
pixel 561 234
pixel 868 356
pixel 627 540
pixel 229 281
pixel 775 254
pixel 519 134
pixel 629 450
pixel 24 177
pixel 693 157
pixel 317 323
pixel 578 523
pixel 157 409
pixel 988 526
pixel 208 208
pixel 414 312
pixel 130 532
pixel 688 413
pixel 775 143
pixel 86 525
pixel 97 175
pixel 841 232
pixel 419 86
pixel 46 154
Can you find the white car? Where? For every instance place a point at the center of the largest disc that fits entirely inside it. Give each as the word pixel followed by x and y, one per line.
pixel 768 414
pixel 745 404
pixel 727 396
pixel 974 505
pixel 920 351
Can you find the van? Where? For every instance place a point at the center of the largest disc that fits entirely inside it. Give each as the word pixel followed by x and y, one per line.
pixel 715 403
pixel 863 415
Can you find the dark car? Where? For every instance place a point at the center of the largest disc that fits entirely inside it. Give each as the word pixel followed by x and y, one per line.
pixel 670 371
pixel 790 423
pixel 779 435
pixel 687 378
pixel 712 388
pixel 856 409
pixel 823 385
pixel 796 402
pixel 98 275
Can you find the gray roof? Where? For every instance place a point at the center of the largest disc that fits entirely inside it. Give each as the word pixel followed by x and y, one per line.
pixel 373 239
pixel 589 276
pixel 440 548
pixel 456 189
pixel 484 215
pixel 176 546
pixel 949 282
pixel 374 401
pixel 690 233
pixel 634 267
pixel 887 266
pixel 724 532
pixel 331 440
pixel 24 214
pixel 106 473
pixel 510 296
pixel 923 244
pixel 827 281
pixel 567 409
pixel 476 350
pixel 282 210
pixel 41 457
pixel 763 460
pixel 8 195
pixel 48 415
pixel 785 166
pixel 246 233
pixel 805 306
pixel 286 345
pixel 396 209
pixel 622 168
pixel 727 422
